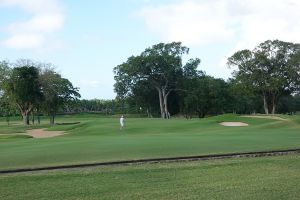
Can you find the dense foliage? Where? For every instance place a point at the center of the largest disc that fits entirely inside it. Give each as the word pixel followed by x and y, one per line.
pixel 158 82
pixel 33 88
pixel 158 67
pixel 24 89
pixel 58 92
pixel 272 69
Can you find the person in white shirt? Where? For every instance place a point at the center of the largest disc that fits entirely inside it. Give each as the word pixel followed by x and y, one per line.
pixel 122 122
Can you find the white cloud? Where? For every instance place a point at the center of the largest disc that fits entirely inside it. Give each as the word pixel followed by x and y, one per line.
pixel 34 6
pixel 189 21
pixel 43 23
pixel 46 18
pixel 24 41
pixel 248 22
pixel 240 23
pixel 272 19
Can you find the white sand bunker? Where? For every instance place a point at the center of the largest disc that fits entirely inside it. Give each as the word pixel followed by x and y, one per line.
pixel 42 133
pixel 234 124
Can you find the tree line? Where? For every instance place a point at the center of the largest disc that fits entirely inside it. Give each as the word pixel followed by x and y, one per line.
pixel 156 83
pixel 266 78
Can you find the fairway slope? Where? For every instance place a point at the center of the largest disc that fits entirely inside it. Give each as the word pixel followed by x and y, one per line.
pixel 99 140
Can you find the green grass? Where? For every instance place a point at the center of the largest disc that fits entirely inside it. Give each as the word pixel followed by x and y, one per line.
pixel 98 139
pixel 248 178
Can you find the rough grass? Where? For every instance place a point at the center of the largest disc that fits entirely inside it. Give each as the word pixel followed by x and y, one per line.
pixel 248 178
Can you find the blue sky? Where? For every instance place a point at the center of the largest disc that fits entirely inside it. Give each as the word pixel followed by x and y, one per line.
pixel 85 40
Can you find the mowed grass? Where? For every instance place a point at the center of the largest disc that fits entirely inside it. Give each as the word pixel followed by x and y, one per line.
pixel 98 139
pixel 248 178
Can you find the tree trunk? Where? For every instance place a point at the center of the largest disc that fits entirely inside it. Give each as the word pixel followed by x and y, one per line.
pixel 273 104
pixel 25 110
pixel 165 97
pixel 32 120
pixel 161 102
pixel 38 115
pixel 269 98
pixel 52 119
pixel 25 118
pixel 273 109
pixel 201 114
pixel 265 105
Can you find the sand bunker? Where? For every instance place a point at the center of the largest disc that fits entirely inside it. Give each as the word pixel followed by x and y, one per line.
pixel 233 124
pixel 42 133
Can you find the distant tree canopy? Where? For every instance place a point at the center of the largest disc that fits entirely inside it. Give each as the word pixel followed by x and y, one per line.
pixel 272 69
pixel 101 106
pixel 29 87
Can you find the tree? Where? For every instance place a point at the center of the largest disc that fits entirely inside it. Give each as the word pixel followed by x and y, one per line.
pixel 271 69
pixel 191 84
pixel 243 99
pixel 144 98
pixel 205 94
pixel 218 95
pixel 5 72
pixel 160 66
pixel 24 89
pixel 7 109
pixel 289 104
pixel 57 91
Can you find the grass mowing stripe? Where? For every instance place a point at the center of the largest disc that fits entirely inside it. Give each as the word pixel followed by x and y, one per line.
pixel 159 160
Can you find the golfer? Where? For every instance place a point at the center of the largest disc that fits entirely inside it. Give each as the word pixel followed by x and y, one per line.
pixel 122 122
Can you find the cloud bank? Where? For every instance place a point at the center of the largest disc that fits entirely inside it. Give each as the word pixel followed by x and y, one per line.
pixel 244 22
